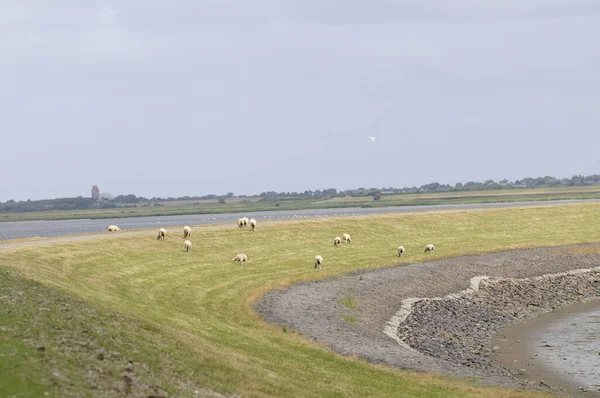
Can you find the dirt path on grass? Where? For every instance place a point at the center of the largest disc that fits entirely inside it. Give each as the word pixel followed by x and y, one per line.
pixel 452 336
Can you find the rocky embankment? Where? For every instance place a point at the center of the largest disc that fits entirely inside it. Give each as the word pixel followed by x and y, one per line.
pixel 461 329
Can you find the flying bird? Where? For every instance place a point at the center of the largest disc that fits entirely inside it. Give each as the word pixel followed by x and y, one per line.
pixel 372 139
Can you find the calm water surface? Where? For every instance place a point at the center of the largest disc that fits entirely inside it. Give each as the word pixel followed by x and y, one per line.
pixel 560 348
pixel 574 347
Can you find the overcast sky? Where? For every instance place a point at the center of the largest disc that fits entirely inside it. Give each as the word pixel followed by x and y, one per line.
pixel 190 97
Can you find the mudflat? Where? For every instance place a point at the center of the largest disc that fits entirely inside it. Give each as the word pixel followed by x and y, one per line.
pixel 558 348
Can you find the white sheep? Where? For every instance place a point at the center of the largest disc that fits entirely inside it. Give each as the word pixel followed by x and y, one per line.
pixel 240 222
pixel 245 220
pixel 401 251
pixel 318 261
pixel 252 223
pixel 187 245
pixel 113 228
pixel 187 232
pixel 429 248
pixel 162 234
pixel 346 238
pixel 337 241
pixel 240 258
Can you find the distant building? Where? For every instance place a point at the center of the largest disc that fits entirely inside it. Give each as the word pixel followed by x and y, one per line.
pixel 95 192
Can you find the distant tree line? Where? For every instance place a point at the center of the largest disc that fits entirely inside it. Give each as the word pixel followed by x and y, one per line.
pixel 124 201
pixel 576 180
pixel 78 203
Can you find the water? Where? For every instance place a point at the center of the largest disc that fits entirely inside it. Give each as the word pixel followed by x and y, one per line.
pixel 32 229
pixel 575 348
pixel 561 347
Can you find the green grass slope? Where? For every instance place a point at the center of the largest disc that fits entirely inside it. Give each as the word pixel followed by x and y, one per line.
pixel 197 307
pixel 52 344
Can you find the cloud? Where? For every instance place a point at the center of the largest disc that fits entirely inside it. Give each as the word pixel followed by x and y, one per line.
pixel 108 39
pixel 67 35
pixel 106 15
pixel 378 12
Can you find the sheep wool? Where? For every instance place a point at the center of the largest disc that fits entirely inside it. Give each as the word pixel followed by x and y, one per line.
pixel 240 258
pixel 401 251
pixel 318 261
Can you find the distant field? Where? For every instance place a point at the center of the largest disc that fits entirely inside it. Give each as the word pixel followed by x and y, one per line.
pixel 197 308
pixel 245 205
pixel 203 202
pixel 526 194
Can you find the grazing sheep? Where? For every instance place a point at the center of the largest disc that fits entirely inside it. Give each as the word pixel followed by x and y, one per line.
pixel 113 228
pixel 318 261
pixel 240 222
pixel 162 234
pixel 253 224
pixel 245 220
pixel 187 232
pixel 400 251
pixel 346 238
pixel 240 258
pixel 429 248
pixel 337 241
pixel 187 245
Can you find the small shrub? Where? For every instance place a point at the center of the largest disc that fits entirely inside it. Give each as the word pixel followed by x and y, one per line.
pixel 348 300
pixel 349 318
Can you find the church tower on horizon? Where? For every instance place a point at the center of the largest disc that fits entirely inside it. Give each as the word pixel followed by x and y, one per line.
pixel 95 192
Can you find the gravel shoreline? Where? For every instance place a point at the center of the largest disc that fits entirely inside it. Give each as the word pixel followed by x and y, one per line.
pixel 450 334
pixel 472 320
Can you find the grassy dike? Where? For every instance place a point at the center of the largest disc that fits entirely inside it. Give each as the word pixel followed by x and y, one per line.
pixel 187 319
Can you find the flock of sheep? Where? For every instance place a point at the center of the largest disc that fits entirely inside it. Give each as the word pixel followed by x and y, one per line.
pixel 346 238
pixel 242 258
pixel 187 232
pixel 242 222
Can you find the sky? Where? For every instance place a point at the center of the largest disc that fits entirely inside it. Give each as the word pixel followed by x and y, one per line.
pixel 192 97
